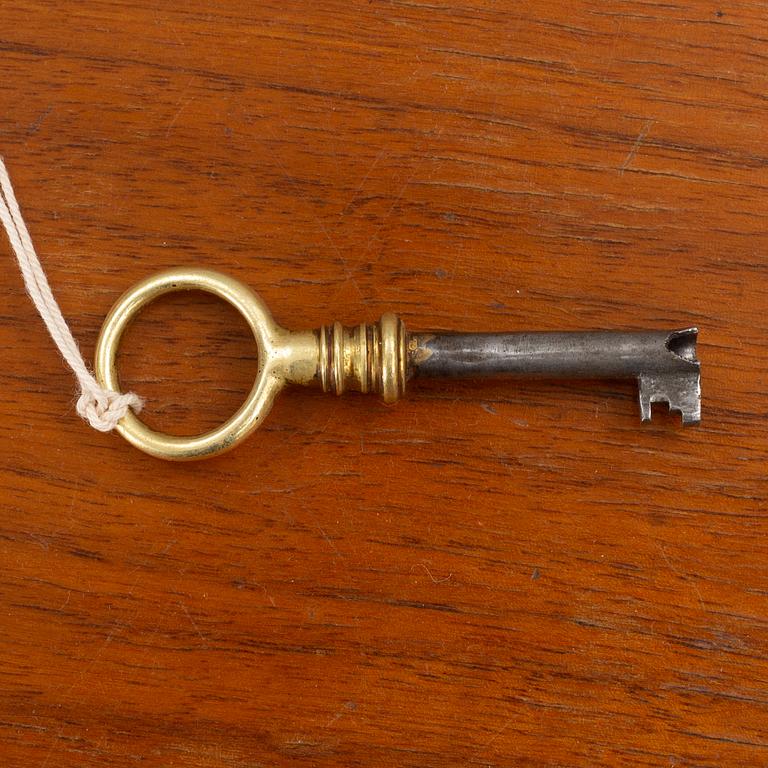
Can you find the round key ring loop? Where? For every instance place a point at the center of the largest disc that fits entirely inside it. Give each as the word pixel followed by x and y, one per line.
pixel 269 380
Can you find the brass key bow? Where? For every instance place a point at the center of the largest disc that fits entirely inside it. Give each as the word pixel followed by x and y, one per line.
pixel 381 357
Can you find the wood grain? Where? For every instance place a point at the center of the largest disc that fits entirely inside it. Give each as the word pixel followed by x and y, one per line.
pixel 486 574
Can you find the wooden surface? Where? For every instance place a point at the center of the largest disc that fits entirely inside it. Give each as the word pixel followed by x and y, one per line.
pixel 491 575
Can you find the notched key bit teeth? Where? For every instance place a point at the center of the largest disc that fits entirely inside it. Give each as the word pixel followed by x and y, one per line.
pixel 674 379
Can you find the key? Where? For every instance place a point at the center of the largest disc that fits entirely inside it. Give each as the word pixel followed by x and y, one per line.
pixel 383 357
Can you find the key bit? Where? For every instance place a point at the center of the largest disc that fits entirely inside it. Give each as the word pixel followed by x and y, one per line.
pixel 383 357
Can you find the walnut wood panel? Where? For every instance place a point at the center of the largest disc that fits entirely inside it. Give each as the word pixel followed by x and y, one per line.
pixel 490 574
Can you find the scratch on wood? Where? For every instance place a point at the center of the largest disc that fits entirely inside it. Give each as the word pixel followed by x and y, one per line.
pixel 636 146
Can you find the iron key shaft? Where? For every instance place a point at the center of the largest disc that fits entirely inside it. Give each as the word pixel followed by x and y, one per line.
pixel 663 362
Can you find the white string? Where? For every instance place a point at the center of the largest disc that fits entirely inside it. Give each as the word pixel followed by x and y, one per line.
pixel 101 408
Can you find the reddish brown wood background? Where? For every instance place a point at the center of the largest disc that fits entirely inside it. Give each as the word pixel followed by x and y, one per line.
pixel 491 575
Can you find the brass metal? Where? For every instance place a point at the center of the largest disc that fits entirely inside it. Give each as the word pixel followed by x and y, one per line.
pixel 365 358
